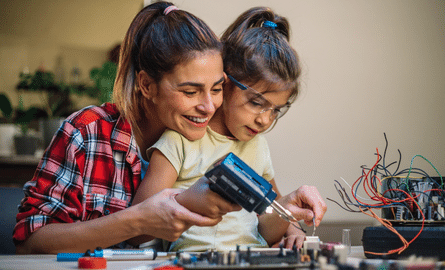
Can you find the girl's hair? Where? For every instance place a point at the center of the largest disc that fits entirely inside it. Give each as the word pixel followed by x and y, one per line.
pixel 254 51
pixel 157 42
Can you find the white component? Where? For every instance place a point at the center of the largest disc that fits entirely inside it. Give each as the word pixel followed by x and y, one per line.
pixel 341 251
pixel 440 210
pixel 311 242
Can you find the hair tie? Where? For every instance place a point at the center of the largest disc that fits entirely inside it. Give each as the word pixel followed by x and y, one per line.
pixel 270 24
pixel 170 8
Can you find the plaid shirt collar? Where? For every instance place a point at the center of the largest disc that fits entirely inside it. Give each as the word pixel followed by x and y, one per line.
pixel 123 140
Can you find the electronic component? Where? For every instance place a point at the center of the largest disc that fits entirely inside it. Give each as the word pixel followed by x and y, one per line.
pixel 235 181
pixel 426 206
pixel 412 207
pixel 308 257
pixel 311 242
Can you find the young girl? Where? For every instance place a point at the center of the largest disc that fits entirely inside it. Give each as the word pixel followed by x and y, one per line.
pixel 262 71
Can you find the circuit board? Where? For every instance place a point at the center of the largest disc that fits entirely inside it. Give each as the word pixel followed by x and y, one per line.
pixel 278 258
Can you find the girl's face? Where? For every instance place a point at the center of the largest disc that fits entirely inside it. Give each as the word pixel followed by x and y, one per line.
pixel 188 97
pixel 249 112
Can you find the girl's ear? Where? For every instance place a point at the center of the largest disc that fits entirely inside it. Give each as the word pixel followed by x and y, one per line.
pixel 146 85
pixel 227 86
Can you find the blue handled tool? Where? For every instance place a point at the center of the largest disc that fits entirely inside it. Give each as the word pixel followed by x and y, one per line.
pixel 113 254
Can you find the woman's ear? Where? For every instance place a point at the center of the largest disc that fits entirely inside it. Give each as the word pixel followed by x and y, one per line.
pixel 146 85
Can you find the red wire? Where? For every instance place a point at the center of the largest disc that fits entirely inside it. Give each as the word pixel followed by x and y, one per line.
pixel 376 197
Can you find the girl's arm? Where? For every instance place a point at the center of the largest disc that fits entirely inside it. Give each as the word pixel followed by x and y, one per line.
pixel 160 175
pixel 304 203
pixel 198 198
pixel 271 226
pixel 293 236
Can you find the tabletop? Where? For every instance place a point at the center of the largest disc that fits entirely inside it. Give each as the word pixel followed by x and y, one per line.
pixel 38 262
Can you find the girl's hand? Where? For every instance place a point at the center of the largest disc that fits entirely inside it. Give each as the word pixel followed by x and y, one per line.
pixel 305 203
pixel 293 237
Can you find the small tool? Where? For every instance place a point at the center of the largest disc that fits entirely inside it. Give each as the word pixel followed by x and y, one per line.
pixel 235 181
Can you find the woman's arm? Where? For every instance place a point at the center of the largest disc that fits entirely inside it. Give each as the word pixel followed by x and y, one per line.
pixel 159 215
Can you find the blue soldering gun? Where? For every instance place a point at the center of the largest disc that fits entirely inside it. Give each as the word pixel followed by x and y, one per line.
pixel 235 181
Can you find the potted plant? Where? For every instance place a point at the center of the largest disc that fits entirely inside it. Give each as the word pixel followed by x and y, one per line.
pixel 103 78
pixel 55 98
pixel 18 133
pixel 7 127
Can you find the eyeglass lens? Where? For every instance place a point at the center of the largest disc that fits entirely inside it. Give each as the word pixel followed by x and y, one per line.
pixel 257 103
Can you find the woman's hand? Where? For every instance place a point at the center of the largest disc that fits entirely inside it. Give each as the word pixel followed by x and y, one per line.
pixel 163 217
pixel 200 199
pixel 305 203
pixel 170 212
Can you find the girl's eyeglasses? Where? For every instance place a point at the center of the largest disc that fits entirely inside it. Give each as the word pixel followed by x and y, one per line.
pixel 258 104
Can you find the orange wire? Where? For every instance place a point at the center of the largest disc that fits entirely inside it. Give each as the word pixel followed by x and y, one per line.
pixel 388 225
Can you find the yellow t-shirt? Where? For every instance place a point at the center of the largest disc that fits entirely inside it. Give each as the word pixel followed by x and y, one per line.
pixel 192 159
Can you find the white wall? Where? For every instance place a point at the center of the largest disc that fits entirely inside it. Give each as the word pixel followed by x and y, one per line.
pixel 369 67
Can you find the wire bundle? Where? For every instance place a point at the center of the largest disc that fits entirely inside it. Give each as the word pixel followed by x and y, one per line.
pixel 398 194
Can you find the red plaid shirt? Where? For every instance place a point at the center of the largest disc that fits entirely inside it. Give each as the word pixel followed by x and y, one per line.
pixel 90 169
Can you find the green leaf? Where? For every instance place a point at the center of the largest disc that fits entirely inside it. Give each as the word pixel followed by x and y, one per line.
pixel 5 106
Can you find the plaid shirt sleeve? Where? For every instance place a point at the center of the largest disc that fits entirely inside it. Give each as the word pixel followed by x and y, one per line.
pixel 90 169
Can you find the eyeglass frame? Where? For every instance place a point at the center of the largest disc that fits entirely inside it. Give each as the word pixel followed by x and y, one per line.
pixel 273 108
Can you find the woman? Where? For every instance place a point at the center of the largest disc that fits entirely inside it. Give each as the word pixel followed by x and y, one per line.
pixel 170 76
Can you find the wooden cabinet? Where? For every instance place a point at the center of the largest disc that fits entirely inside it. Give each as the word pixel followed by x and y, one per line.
pixel 16 170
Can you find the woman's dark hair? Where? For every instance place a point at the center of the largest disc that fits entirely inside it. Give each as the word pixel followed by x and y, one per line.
pixel 157 43
pixel 255 51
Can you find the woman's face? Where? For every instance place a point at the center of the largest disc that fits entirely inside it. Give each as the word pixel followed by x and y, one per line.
pixel 188 97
